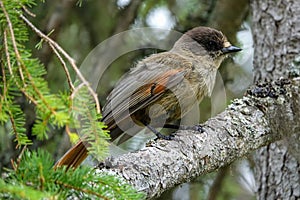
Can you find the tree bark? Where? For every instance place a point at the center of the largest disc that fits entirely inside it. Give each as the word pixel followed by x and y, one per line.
pixel 276 30
pixel 242 128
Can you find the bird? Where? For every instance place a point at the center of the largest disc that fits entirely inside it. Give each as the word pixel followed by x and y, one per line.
pixel 162 87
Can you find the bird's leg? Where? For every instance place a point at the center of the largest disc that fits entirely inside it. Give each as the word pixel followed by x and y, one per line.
pixel 159 135
pixel 185 127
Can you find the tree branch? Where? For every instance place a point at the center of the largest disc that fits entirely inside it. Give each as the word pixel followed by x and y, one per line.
pixel 246 125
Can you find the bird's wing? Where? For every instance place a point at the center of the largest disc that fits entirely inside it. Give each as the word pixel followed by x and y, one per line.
pixel 139 88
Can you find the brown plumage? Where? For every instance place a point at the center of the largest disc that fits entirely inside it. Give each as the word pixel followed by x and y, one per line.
pixel 175 80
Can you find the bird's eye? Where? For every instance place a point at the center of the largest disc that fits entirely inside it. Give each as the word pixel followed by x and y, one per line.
pixel 213 45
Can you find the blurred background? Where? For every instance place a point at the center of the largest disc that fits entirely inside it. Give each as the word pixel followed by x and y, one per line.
pixel 80 28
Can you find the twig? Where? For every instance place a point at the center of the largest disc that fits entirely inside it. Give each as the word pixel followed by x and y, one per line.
pixel 64 67
pixel 13 164
pixel 13 41
pixel 7 53
pixel 28 12
pixel 20 156
pixel 76 90
pixel 21 65
pixel 12 120
pixel 68 57
pixel 11 72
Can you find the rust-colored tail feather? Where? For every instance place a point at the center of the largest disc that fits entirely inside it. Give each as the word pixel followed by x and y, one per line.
pixel 76 155
pixel 73 157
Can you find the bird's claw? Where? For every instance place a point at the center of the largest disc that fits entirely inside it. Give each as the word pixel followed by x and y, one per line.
pixel 164 137
pixel 198 128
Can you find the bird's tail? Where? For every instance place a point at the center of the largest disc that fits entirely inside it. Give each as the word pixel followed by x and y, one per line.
pixel 74 157
pixel 77 154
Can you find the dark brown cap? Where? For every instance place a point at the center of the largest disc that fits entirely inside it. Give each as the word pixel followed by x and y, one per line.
pixel 211 39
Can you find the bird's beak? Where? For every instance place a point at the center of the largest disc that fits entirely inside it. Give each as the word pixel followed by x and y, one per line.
pixel 230 49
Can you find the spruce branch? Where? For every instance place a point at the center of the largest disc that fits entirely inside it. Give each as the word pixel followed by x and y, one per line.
pixel 24 75
pixel 50 111
pixel 10 27
pixel 8 61
pixel 14 125
pixel 22 67
pixel 68 57
pixel 38 178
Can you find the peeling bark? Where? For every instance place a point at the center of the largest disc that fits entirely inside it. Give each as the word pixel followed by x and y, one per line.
pixel 242 128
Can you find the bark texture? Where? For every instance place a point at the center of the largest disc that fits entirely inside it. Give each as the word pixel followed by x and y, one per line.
pixel 242 128
pixel 276 30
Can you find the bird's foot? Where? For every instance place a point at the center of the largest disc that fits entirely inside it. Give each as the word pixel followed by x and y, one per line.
pixel 159 135
pixel 164 137
pixel 198 127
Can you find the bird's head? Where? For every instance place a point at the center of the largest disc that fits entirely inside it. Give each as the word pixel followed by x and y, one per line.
pixel 207 43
